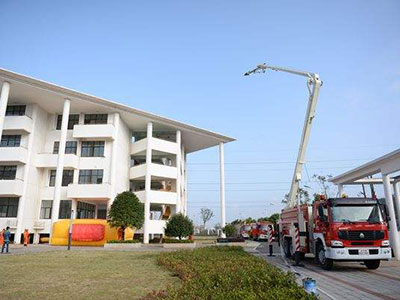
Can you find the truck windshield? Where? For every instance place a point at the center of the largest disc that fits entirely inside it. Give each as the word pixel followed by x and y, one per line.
pixel 356 213
pixel 246 227
pixel 264 227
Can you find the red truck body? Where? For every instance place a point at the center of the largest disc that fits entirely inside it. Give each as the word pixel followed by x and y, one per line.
pixel 340 229
pixel 259 230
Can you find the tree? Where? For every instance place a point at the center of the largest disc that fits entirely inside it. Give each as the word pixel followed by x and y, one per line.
pixel 206 215
pixel 303 194
pixel 237 222
pixel 126 211
pixel 249 220
pixel 273 218
pixel 179 226
pixel 324 184
pixel 229 230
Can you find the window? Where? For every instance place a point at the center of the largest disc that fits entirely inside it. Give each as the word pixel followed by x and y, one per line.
pixel 70 147
pixel 68 177
pixel 90 176
pixel 96 119
pixel 85 211
pixel 8 172
pixel 8 207
pixel 10 141
pixel 15 110
pixel 65 209
pixel 45 210
pixel 72 120
pixel 92 149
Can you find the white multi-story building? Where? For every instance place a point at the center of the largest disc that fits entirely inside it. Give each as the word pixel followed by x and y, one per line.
pixel 64 151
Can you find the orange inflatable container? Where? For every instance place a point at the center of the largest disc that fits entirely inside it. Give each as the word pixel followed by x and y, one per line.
pixel 86 232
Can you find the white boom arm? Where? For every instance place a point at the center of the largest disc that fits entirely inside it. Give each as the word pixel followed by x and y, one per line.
pixel 314 83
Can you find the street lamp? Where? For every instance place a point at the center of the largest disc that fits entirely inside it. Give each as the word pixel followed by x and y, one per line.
pixel 313 85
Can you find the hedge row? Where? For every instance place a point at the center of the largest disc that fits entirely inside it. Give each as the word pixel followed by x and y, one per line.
pixel 226 273
pixel 122 242
pixel 175 241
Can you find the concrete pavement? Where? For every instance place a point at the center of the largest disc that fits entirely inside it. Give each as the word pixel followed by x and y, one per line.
pixel 347 281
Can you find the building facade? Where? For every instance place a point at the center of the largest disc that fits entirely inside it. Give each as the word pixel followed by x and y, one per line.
pixel 63 152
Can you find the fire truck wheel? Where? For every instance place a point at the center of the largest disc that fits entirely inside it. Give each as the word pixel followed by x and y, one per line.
pixel 325 263
pixel 287 248
pixel 372 264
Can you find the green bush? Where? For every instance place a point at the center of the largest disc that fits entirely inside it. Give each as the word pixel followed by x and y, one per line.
pixel 126 211
pixel 174 241
pixel 229 230
pixel 226 273
pixel 179 226
pixel 122 242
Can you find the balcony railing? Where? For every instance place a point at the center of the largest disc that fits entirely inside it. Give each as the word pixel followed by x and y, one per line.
pixel 17 155
pixel 11 187
pixel 94 131
pixel 22 124
pixel 89 191
pixel 49 160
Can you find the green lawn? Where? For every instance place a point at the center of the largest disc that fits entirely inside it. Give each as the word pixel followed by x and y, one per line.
pixel 82 275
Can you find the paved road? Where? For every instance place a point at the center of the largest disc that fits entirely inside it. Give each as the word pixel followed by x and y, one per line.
pixel 347 281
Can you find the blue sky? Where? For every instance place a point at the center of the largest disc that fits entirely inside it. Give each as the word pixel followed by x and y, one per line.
pixel 185 60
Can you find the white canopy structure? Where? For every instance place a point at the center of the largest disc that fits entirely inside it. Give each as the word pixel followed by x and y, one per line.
pixel 388 166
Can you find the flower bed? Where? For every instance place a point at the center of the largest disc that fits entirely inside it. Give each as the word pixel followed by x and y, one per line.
pixel 174 244
pixel 120 244
pixel 226 273
pixel 123 242
pixel 175 241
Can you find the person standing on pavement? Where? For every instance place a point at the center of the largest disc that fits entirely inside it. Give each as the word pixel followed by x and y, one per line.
pixel 6 240
pixel 26 237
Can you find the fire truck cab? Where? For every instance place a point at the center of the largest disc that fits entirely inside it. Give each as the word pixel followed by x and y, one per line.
pixel 338 229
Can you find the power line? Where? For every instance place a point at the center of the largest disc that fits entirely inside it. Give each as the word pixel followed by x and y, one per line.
pixel 244 170
pixel 238 183
pixel 278 162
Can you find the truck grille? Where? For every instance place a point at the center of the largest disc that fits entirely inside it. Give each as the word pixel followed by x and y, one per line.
pixel 363 235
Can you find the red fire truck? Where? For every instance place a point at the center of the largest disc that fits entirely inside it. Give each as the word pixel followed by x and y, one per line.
pixel 339 229
pixel 245 230
pixel 259 230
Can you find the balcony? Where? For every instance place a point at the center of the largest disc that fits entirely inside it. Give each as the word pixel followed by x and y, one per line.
pixel 89 191
pixel 156 170
pixel 159 197
pixel 11 187
pixel 49 160
pixel 156 144
pixel 18 155
pixel 94 131
pixel 18 124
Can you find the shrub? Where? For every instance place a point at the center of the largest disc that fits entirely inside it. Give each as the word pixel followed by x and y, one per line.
pixel 226 273
pixel 126 211
pixel 179 226
pixel 229 230
pixel 174 241
pixel 231 240
pixel 123 242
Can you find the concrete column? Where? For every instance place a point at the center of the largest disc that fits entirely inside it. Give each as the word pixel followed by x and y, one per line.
pixel 397 200
pixel 113 161
pixel 146 227
pixel 60 162
pixel 27 168
pixel 393 233
pixel 74 207
pixel 340 190
pixel 5 91
pixel 179 206
pixel 222 184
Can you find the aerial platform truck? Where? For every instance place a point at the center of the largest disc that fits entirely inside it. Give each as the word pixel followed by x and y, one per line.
pixel 340 229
